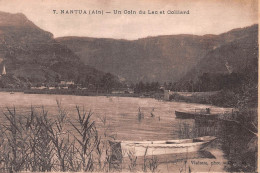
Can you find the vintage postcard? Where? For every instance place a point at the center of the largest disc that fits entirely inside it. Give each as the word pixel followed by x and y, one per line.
pixel 129 86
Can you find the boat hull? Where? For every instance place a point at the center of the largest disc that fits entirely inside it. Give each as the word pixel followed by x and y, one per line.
pixel 189 115
pixel 149 148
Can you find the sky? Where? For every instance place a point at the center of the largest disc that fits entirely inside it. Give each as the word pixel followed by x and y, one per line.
pixel 205 17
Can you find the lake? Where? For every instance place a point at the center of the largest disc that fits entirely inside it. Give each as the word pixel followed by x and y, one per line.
pixel 121 114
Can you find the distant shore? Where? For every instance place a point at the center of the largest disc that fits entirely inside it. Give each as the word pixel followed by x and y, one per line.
pixel 216 98
pixel 76 92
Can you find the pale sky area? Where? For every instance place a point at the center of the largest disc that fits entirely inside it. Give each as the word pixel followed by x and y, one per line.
pixel 206 17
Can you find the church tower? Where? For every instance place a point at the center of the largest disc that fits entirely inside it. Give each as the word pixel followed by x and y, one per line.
pixel 3 71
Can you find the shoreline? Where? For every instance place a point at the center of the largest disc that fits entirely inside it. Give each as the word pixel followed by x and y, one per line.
pixel 155 95
pixel 176 97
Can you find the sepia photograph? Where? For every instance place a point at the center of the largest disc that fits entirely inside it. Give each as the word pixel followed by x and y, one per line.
pixel 161 86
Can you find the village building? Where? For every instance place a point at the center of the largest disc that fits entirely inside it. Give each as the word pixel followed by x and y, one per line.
pixel 63 82
pixel 122 91
pixel 39 88
pixel 66 84
pixel 167 94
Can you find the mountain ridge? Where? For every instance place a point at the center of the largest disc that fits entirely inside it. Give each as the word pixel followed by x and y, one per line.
pixel 183 34
pixel 163 58
pixel 32 56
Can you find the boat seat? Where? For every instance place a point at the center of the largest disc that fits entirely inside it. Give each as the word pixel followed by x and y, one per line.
pixel 197 140
pixel 167 142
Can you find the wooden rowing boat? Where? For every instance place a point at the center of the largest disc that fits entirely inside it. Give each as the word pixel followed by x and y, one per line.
pixel 193 115
pixel 148 148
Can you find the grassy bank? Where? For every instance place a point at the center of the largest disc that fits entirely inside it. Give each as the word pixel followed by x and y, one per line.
pixel 217 98
pixel 237 139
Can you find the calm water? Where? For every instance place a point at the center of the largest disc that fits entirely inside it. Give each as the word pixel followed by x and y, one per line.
pixel 121 114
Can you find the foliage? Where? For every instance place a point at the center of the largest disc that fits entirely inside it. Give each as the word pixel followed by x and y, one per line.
pixel 147 87
pixel 38 142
